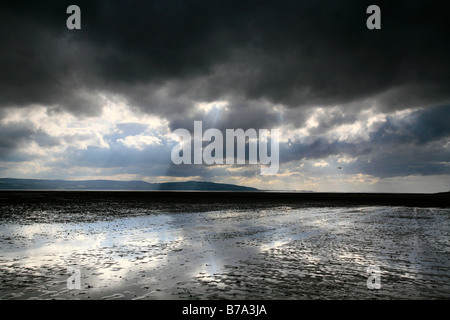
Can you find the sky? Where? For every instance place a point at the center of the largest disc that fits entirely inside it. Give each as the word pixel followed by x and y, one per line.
pixel 358 110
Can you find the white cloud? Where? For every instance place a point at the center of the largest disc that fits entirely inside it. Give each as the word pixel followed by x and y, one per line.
pixel 206 107
pixel 140 141
pixel 321 164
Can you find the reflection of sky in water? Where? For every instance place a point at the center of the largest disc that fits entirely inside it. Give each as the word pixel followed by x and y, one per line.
pixel 202 243
pixel 232 233
pixel 162 249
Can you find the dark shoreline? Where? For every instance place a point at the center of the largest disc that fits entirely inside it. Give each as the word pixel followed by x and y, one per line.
pixel 227 198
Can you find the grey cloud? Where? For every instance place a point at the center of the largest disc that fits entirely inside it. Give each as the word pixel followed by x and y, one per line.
pixel 118 155
pixel 38 67
pixel 404 160
pixel 332 118
pixel 43 139
pixel 238 114
pixel 403 145
pixel 13 134
pixel 161 57
pixel 419 127
pixel 293 53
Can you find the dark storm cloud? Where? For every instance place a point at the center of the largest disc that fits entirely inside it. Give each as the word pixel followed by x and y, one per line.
pixel 163 57
pixel 403 161
pixel 290 52
pixel 40 65
pixel 418 127
pixel 14 135
pixel 236 114
pixel 318 149
pixel 404 145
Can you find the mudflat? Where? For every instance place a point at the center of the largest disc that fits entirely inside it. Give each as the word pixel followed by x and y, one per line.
pixel 223 245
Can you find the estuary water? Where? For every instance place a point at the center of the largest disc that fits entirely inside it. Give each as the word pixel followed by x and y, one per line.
pixel 142 251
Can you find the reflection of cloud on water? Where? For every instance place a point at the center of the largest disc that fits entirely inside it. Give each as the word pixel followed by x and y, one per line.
pixel 160 254
pixel 157 247
pixel 273 244
pixel 106 252
pixel 38 242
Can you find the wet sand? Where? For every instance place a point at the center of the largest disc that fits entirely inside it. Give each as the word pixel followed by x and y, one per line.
pixel 190 246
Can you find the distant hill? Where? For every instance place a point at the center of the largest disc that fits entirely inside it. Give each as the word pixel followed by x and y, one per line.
pixel 37 184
